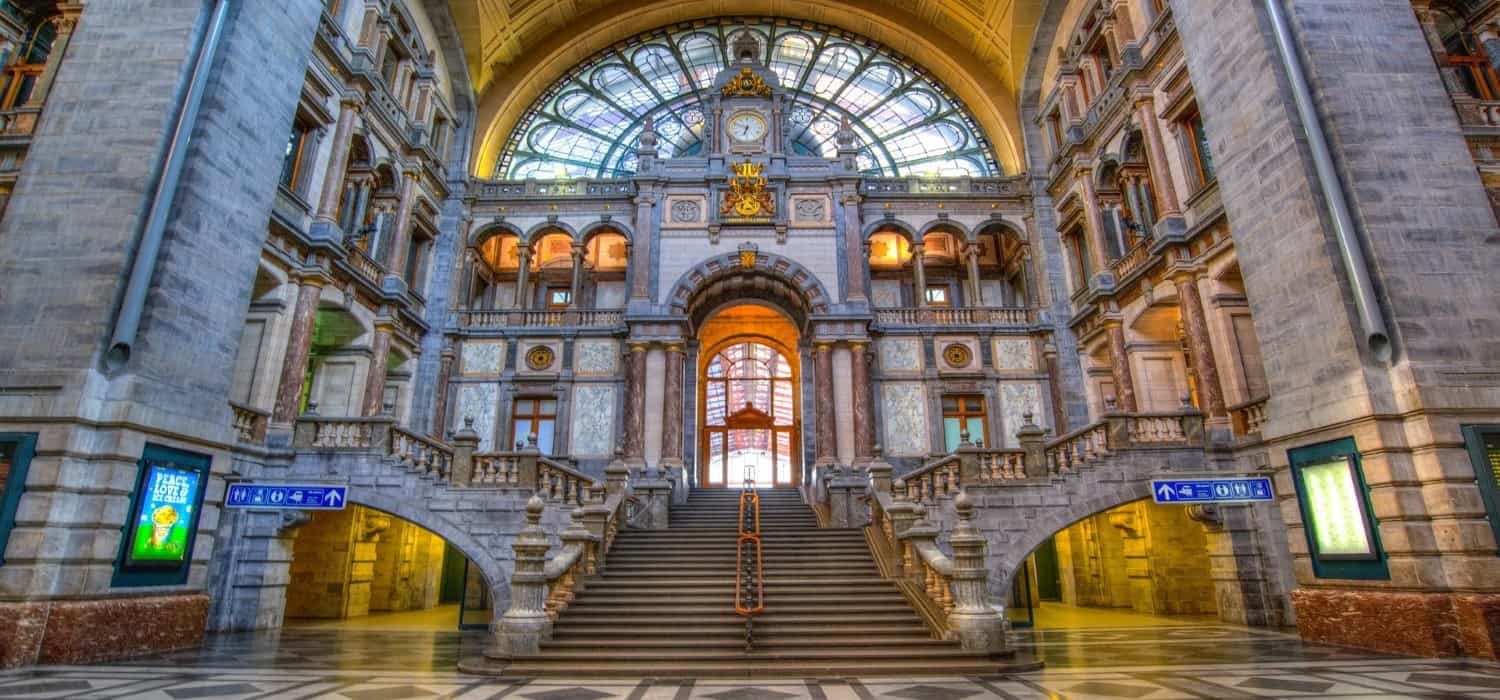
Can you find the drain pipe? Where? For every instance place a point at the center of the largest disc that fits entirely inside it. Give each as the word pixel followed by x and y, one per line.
pixel 164 194
pixel 1377 340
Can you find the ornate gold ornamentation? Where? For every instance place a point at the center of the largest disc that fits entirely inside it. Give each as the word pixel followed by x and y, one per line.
pixel 540 358
pixel 746 84
pixel 747 196
pixel 957 355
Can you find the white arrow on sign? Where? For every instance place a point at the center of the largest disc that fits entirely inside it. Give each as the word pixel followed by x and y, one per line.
pixel 1165 492
pixel 332 498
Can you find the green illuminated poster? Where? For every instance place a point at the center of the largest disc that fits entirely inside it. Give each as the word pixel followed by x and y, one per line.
pixel 1338 517
pixel 162 528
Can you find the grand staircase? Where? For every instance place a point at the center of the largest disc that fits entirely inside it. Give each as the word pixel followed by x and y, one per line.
pixel 664 605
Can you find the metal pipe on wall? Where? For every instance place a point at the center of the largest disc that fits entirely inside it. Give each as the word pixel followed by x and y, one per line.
pixel 163 196
pixel 1377 339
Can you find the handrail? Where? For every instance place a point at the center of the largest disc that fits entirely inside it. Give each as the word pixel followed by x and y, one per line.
pixel 430 457
pixel 749 576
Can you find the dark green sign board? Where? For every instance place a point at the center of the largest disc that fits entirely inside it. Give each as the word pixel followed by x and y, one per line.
pixel 157 542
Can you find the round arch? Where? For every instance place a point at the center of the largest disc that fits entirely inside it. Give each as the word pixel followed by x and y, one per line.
pixel 495 228
pixel 896 226
pixel 600 227
pixel 720 280
pixel 987 92
pixel 536 232
pixel 1046 522
pixel 415 512
pixel 963 233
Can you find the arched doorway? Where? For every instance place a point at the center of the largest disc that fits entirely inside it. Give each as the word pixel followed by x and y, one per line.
pixel 748 379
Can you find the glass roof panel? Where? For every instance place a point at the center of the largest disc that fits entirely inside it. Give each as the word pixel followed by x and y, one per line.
pixel 588 124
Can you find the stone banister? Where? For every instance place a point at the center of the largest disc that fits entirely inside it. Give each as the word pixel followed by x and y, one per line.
pixel 425 455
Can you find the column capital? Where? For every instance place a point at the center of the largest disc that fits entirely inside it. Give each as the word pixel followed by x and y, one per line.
pixel 385 324
pixel 675 347
pixel 858 345
pixel 639 345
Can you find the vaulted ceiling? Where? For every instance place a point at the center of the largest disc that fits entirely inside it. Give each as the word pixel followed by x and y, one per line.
pixel 517 48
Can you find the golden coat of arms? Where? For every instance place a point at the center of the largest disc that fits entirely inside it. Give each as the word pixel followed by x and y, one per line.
pixel 746 84
pixel 747 196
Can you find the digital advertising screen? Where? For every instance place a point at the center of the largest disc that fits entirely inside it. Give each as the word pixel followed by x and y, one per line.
pixel 165 519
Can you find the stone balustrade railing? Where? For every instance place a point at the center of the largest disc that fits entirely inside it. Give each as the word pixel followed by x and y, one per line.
pixel 941 316
pixel 343 434
pixel 562 318
pixel 249 423
pixel 429 457
pixel 950 186
pixel 554 188
pixel 1133 259
pixel 1249 417
pixel 1477 113
pixel 1123 431
pixel 543 586
pixel 363 264
pixel 947 590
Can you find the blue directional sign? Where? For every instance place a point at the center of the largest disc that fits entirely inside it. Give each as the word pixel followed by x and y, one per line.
pixel 1227 490
pixel 302 497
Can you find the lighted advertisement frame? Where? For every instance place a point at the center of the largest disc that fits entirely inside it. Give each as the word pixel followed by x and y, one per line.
pixel 156 544
pixel 1343 537
pixel 1478 438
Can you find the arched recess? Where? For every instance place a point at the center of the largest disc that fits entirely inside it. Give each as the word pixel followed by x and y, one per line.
pixel 1041 525
pixel 987 91
pixel 415 511
pixel 725 279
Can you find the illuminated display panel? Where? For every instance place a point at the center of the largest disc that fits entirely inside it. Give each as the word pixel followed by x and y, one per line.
pixel 589 122
pixel 157 547
pixel 1484 452
pixel 1342 535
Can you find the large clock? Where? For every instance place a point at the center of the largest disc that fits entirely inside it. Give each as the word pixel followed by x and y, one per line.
pixel 747 127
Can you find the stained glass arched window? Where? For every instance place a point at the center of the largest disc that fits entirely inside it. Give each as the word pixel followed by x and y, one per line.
pixel 588 123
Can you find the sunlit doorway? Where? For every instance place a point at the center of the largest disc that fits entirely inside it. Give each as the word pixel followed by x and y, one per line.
pixel 749 398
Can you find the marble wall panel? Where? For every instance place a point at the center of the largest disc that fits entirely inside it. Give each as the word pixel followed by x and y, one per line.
pixel 480 402
pixel 885 294
pixel 609 295
pixel 593 426
pixel 1014 354
pixel 483 357
pixel 1016 400
pixel 595 358
pixel 905 411
pixel 900 355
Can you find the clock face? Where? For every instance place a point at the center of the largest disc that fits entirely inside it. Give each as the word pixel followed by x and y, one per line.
pixel 747 127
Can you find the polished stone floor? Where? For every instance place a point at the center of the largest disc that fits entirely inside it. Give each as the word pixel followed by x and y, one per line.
pixel 1203 661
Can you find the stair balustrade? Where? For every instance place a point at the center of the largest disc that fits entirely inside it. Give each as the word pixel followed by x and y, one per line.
pixel 426 456
pixel 543 586
pixel 749 576
pixel 1120 432
pixel 249 423
pixel 948 591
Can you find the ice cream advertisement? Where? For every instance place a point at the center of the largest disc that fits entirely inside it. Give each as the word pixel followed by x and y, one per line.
pixel 164 517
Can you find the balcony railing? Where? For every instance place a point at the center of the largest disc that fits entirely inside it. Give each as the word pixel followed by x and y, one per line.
pixel 1475 112
pixel 561 318
pixel 249 423
pixel 555 188
pixel 1134 259
pixel 939 316
pixel 1249 417
pixel 364 264
pixel 992 186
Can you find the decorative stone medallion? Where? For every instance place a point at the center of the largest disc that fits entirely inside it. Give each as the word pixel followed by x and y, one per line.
pixel 685 211
pixel 540 358
pixel 809 210
pixel 957 355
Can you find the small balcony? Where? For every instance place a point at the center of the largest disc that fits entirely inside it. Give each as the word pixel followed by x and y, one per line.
pixel 552 318
pixel 920 316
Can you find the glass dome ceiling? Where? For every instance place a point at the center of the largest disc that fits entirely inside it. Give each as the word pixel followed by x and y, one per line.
pixel 588 123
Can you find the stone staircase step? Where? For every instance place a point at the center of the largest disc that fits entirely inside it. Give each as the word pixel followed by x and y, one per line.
pixel 763 626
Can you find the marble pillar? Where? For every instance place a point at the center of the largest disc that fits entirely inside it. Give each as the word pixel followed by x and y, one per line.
pixel 971 263
pixel 671 430
pixel 520 299
pixel 640 255
pixel 919 273
pixel 1195 325
pixel 1119 365
pixel 635 405
pixel 298 345
pixel 859 372
pixel 1054 388
pixel 1094 225
pixel 401 240
pixel 823 385
pixel 338 160
pixel 1161 178
pixel 575 286
pixel 380 355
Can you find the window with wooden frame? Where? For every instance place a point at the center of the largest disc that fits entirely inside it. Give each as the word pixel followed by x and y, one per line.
pixel 1083 264
pixel 559 297
pixel 1195 144
pixel 534 417
pixel 938 295
pixel 964 417
pixel 1464 53
pixel 293 160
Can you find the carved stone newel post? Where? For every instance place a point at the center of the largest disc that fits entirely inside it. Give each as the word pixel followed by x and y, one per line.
pixel 525 624
pixel 977 625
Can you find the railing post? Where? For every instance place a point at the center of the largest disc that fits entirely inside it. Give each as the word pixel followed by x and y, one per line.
pixel 902 513
pixel 616 478
pixel 655 493
pixel 918 530
pixel 880 473
pixel 525 624
pixel 843 491
pixel 465 442
pixel 1031 436
pixel 527 461
pixel 968 464
pixel 978 626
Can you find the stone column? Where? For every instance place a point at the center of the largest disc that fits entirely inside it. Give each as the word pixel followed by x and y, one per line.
pixel 1195 325
pixel 1119 364
pixel 1161 178
pixel 445 374
pixel 298 345
pixel 361 207
pixel 380 354
pixel 1054 388
pixel 671 428
pixel 1094 225
pixel 635 406
pixel 971 260
pixel 66 23
pixel 825 449
pixel 396 264
pixel 859 376
pixel 338 160
pixel 576 286
pixel 856 259
pixel 640 255
pixel 523 271
pixel 919 273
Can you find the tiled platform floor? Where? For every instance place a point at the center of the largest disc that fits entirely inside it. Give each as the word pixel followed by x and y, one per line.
pixel 1210 661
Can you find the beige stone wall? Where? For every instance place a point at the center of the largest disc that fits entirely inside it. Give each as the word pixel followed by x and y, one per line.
pixel 1142 556
pixel 357 561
